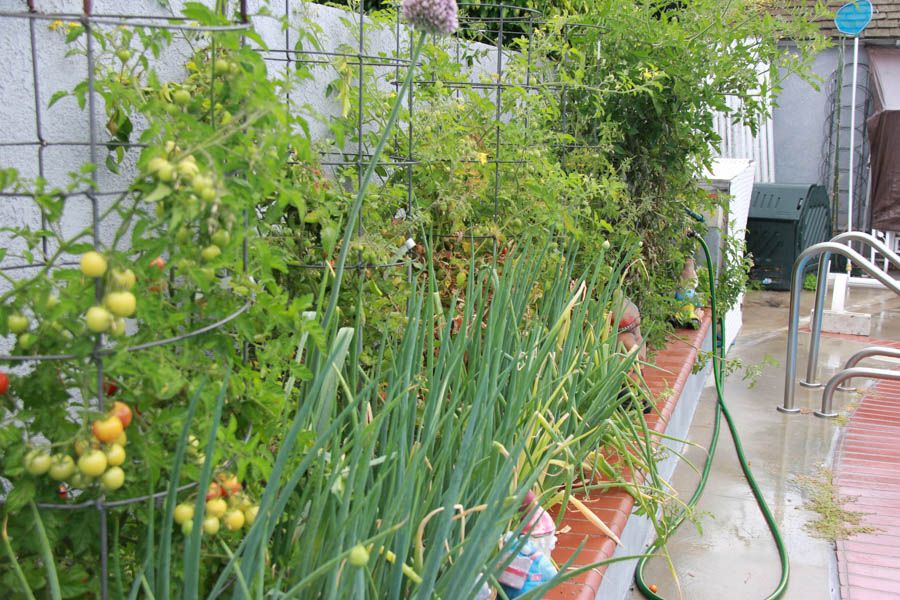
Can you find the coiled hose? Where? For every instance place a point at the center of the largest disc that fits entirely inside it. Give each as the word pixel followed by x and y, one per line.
pixel 718 374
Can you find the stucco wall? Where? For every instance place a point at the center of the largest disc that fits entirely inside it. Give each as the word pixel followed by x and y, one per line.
pixel 799 127
pixel 66 122
pixel 801 123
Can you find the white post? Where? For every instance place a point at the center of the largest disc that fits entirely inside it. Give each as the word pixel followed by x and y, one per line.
pixel 839 293
pixel 852 135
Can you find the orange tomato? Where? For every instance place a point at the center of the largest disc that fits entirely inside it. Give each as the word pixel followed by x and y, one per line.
pixel 109 429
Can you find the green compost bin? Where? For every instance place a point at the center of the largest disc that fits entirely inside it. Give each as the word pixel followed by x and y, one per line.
pixel 785 220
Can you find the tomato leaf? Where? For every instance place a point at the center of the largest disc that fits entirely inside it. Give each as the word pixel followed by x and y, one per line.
pixel 20 495
pixel 161 191
pixel 57 96
pixel 111 164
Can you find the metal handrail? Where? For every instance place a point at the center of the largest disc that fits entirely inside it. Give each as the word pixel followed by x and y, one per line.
pixel 794 317
pixel 826 411
pixel 865 353
pixel 821 287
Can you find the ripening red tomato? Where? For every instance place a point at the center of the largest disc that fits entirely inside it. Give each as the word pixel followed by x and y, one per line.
pixel 214 491
pixel 110 389
pixel 4 383
pixel 123 412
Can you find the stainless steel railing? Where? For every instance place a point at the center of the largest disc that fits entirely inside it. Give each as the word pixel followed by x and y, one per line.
pixel 865 353
pixel 847 374
pixel 825 248
pixel 821 286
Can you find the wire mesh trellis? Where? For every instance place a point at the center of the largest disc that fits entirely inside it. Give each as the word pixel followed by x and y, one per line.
pixel 401 163
pixel 834 169
pixel 43 141
pixel 506 33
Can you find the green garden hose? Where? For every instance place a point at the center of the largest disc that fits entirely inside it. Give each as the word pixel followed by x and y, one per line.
pixel 718 374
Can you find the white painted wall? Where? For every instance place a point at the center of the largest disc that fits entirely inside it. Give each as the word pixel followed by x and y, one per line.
pixel 28 82
pixel 739 141
pixel 735 177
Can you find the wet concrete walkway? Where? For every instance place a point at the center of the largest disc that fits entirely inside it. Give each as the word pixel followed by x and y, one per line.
pixel 734 556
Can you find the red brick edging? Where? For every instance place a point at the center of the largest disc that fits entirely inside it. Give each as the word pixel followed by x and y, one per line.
pixel 673 366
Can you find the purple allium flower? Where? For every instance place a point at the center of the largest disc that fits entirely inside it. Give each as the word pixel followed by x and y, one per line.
pixel 431 16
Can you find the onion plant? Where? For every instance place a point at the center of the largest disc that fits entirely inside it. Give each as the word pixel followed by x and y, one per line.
pixel 418 465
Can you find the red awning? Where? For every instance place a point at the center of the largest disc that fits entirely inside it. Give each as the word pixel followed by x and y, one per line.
pixel 884 138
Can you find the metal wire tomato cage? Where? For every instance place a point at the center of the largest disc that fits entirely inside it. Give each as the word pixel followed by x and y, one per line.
pixel 509 30
pixel 88 19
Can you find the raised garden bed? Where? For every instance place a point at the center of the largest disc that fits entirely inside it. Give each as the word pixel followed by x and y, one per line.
pixel 678 391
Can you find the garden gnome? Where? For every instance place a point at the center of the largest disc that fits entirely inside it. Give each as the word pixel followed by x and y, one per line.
pixel 532 565
pixel 690 310
pixel 628 337
pixel 629 329
pixel 529 569
pixel 540 527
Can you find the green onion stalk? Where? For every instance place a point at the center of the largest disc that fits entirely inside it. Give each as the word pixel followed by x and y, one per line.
pixel 367 177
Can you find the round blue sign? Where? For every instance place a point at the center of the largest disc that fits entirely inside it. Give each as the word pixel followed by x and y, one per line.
pixel 853 17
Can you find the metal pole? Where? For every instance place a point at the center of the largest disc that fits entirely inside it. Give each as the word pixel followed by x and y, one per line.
pixel 794 317
pixel 852 136
pixel 816 325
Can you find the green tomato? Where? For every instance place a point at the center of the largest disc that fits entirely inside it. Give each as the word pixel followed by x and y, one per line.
pixel 93 264
pixel 210 525
pixel 181 97
pixel 27 340
pixel 17 323
pixel 166 172
pixel 62 467
pixel 200 182
pixel 112 479
pixel 183 235
pixel 221 238
pixel 121 304
pixel 209 193
pixel 98 319
pixel 221 66
pixel 155 163
pixel 37 462
pixel 79 480
pixel 123 55
pixel 117 327
pixel 210 253
pixel 123 278
pixel 183 513
pixel 188 168
pixel 93 463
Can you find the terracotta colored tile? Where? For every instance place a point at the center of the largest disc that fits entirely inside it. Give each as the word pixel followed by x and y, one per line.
pixel 867 467
pixel 571 591
pixel 870 561
pixel 873 584
pixel 869 570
